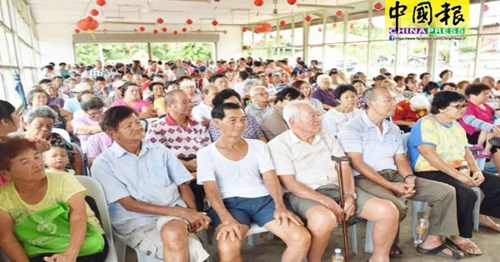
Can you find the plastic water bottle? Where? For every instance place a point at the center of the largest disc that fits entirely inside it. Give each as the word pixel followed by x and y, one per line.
pixel 421 230
pixel 338 257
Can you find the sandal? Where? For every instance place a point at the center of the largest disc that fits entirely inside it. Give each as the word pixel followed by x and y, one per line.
pixel 439 251
pixel 395 251
pixel 465 247
pixel 491 225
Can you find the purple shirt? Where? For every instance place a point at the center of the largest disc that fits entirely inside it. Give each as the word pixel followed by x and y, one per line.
pixel 326 97
pixel 81 119
pixel 56 101
pixel 97 143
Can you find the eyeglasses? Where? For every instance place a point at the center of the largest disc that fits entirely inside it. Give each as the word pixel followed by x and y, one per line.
pixel 460 106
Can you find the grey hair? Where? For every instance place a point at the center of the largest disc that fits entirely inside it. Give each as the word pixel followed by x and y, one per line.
pixel 292 110
pixel 187 83
pixel 254 89
pixel 248 84
pixel 40 111
pixel 320 78
pixel 170 96
pixel 369 94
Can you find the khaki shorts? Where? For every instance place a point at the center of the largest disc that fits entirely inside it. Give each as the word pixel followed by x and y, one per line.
pixel 147 240
pixel 300 205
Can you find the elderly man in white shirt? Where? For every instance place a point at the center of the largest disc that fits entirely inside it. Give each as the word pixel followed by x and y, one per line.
pixel 202 113
pixel 302 157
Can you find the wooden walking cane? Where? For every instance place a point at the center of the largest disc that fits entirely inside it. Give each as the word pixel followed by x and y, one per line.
pixel 339 161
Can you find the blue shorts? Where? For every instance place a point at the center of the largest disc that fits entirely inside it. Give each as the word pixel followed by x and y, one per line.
pixel 246 210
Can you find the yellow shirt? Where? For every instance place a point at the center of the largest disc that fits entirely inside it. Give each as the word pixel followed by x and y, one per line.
pixel 61 187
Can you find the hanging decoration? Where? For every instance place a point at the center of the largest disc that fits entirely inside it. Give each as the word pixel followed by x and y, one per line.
pixel 87 24
pixel 159 20
pixel 320 29
pixel 155 31
pixel 164 29
pixel 142 28
pixel 378 6
pixel 100 2
pixel 486 8
pixel 351 26
pixel 334 25
pixel 189 21
pixel 184 30
pixel 308 18
pixel 215 22
pixel 244 29
pixel 175 32
pixel 282 23
pixel 258 2
pixel 291 2
pixel 77 31
pixel 94 12
pixel 262 27
pixel 339 13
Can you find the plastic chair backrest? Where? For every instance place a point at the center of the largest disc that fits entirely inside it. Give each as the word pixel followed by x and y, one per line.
pixel 62 133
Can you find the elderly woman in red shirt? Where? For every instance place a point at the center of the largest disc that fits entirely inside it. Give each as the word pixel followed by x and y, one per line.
pixel 408 111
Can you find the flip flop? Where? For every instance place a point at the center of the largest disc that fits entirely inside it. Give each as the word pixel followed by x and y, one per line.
pixel 395 251
pixel 439 251
pixel 464 247
pixel 492 228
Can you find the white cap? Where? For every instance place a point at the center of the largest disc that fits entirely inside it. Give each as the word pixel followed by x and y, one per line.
pixel 119 83
pixel 80 88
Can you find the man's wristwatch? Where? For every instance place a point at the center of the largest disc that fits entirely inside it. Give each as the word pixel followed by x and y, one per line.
pixel 354 195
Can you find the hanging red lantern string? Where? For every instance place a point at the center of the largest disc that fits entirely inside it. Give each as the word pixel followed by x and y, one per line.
pixel 215 22
pixel 155 31
pixel 486 8
pixel 175 32
pixel 339 13
pixel 77 31
pixel 184 30
pixel 164 29
pixel 282 23
pixel 159 20
pixel 100 2
pixel 378 6
pixel 291 2
pixel 87 24
pixel 142 28
pixel 308 18
pixel 244 29
pixel 94 12
pixel 258 2
pixel 320 29
pixel 262 27
pixel 189 21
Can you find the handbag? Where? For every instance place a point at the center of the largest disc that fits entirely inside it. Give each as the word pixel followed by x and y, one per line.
pixel 48 232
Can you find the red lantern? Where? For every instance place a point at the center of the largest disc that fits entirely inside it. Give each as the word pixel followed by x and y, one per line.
pixel 378 6
pixel 199 30
pixel 175 32
pixel 308 18
pixel 282 23
pixel 320 29
pixel 215 22
pixel 100 2
pixel 339 13
pixel 281 37
pixel 291 2
pixel 135 30
pixel 142 28
pixel 94 12
pixel 164 29
pixel 262 27
pixel 87 24
pixel 243 29
pixel 77 31
pixel 155 31
pixel 189 22
pixel 334 25
pixel 351 26
pixel 184 30
pixel 159 20
pixel 486 8
pixel 271 37
pixel 258 2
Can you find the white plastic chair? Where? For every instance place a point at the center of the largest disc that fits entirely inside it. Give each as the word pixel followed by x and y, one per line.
pixel 95 191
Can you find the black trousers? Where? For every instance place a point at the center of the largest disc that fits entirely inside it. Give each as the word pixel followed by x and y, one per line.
pixel 466 198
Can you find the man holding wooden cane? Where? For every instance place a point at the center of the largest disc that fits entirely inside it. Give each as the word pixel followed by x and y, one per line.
pixel 302 157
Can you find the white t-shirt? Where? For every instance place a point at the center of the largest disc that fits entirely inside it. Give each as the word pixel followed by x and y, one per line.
pixel 236 178
pixel 333 120
pixel 201 112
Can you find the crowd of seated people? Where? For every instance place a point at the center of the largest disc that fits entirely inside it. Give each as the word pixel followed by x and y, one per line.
pixel 181 147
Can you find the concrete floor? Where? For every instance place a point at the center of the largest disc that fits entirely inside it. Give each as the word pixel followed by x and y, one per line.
pixel 271 250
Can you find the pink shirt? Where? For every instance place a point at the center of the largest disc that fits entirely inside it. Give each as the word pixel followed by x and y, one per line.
pixel 137 106
pixel 485 114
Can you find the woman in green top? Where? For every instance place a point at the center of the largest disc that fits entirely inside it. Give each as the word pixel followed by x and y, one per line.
pixel 44 217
